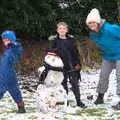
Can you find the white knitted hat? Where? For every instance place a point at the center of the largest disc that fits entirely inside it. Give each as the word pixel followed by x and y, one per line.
pixel 93 16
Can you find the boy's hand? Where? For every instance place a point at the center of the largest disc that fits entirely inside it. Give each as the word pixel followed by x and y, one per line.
pixel 77 67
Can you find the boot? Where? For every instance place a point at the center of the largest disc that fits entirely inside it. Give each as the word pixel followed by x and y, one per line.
pixel 117 106
pixel 99 99
pixel 21 108
pixel 81 104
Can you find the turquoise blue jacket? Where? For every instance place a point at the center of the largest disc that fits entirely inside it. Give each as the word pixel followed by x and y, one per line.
pixel 108 40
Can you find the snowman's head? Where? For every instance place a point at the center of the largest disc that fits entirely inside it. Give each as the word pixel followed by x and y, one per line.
pixel 53 60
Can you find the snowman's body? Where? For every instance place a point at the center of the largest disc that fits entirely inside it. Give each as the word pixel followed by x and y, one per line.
pixel 51 92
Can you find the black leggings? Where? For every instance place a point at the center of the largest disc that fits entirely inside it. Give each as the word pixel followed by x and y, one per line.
pixel 74 77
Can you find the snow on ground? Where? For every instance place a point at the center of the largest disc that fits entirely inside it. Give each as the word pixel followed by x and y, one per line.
pixel 87 88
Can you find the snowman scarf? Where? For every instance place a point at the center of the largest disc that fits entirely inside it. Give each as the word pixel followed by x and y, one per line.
pixel 48 66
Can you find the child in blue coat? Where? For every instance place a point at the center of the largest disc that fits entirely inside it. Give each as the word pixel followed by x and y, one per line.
pixel 8 78
pixel 107 37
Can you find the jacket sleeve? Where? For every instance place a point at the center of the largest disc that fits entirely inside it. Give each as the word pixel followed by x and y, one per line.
pixel 11 56
pixel 76 50
pixel 52 44
pixel 114 30
pixel 17 51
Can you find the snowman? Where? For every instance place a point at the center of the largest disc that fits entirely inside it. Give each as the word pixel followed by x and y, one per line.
pixel 50 92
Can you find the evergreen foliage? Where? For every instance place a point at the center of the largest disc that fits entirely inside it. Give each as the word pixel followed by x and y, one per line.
pixel 36 19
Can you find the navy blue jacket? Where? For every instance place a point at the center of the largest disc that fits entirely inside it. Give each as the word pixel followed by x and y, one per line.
pixel 66 49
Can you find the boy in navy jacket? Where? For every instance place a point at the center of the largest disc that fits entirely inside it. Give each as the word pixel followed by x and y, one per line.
pixel 64 45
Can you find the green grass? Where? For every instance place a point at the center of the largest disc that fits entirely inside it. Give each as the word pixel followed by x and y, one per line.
pixel 91 112
pixel 12 111
pixel 30 109
pixel 3 118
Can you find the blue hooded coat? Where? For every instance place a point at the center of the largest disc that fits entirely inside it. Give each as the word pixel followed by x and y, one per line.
pixel 108 40
pixel 8 79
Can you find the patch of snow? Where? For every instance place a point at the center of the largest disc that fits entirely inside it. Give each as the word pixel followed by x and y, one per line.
pixel 87 87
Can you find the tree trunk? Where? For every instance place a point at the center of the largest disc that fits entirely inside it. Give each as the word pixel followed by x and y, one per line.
pixel 118 7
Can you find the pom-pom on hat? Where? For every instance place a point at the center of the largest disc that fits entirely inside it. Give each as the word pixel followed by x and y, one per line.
pixel 94 16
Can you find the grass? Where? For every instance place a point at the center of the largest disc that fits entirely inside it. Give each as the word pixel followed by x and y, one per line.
pixel 91 112
pixel 84 114
pixel 3 119
pixel 12 111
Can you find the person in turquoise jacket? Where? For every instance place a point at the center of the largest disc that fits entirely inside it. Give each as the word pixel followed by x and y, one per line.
pixel 107 37
pixel 8 79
